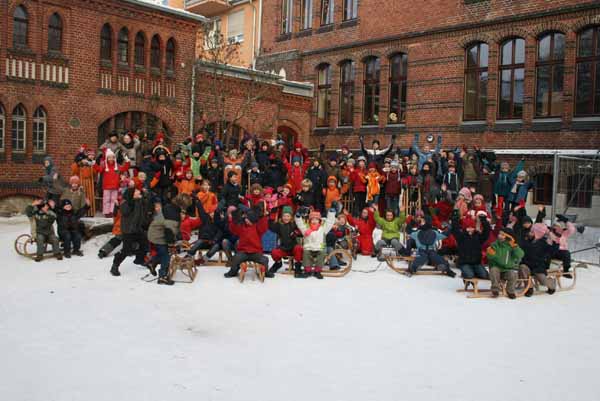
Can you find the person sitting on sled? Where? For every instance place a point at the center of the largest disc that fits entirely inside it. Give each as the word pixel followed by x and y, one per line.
pixel 537 246
pixel 337 235
pixel 391 227
pixel 425 238
pixel 43 218
pixel 469 243
pixel 287 234
pixel 504 256
pixel 365 224
pixel 559 234
pixel 314 233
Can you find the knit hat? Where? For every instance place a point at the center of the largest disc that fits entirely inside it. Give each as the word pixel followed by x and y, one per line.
pixel 286 210
pixel 394 164
pixel 466 193
pixel 344 146
pixel 268 191
pixel 479 197
pixel 539 230
pixel 297 145
pixel 522 174
pixel 373 165
pixel 254 165
pixel 230 174
pixel 333 157
pixel 362 158
pixel 314 215
pixel 296 159
pixel 65 202
pixel 468 222
pixel 508 232
pixel 74 180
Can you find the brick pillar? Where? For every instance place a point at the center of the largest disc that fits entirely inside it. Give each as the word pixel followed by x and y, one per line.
pixel 569 78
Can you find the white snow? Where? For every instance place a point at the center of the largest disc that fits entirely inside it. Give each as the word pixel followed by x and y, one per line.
pixel 70 331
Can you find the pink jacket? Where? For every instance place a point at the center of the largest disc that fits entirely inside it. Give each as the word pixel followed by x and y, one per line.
pixel 563 240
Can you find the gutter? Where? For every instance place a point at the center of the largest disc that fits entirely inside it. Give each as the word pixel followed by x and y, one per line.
pixel 169 10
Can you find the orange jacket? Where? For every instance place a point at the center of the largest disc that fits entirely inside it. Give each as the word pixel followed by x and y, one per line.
pixel 208 200
pixel 186 186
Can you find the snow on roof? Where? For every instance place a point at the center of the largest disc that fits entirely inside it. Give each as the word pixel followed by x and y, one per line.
pixel 155 5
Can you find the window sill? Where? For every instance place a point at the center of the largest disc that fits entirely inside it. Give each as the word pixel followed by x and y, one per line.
pixel 473 126
pixel 106 63
pixel 395 129
pixel 54 55
pixel 304 33
pixel 370 129
pixel 140 69
pixel 18 157
pixel 348 23
pixel 321 131
pixel 325 28
pixel 21 51
pixel 345 129
pixel 546 124
pixel 155 71
pixel 170 74
pixel 38 157
pixel 123 67
pixel 508 126
pixel 591 123
pixel 283 37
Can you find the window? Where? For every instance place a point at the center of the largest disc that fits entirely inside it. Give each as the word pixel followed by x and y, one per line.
pixel 371 92
pixel 323 95
pixel 579 190
pixel 106 43
pixel 476 80
pixel 39 130
pixel 549 75
pixel 235 27
pixel 155 52
pixel 140 49
pixel 350 9
pixel 55 30
pixel 287 14
pixel 587 97
pixel 2 123
pixel 170 55
pixel 512 77
pixel 20 27
pixel 307 13
pixel 123 52
pixel 327 8
pixel 542 192
pixel 212 39
pixel 398 73
pixel 18 129
pixel 347 74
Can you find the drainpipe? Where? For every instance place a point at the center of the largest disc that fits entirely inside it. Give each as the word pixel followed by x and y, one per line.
pixel 259 35
pixel 253 34
pixel 192 98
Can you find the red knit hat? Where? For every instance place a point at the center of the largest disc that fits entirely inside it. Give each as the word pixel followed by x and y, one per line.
pixel 373 165
pixel 468 222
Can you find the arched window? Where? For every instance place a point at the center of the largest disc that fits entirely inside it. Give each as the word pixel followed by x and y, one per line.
pixel 140 49
pixel 512 78
pixel 123 49
pixel 371 90
pixel 2 124
pixel 19 118
pixel 476 80
pixel 398 74
pixel 39 130
pixel 347 76
pixel 549 75
pixel 20 27
pixel 170 55
pixel 587 97
pixel 323 95
pixel 155 52
pixel 106 43
pixel 55 31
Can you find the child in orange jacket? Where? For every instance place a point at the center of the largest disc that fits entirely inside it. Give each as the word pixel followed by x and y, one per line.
pixel 373 184
pixel 332 192
pixel 208 199
pixel 188 184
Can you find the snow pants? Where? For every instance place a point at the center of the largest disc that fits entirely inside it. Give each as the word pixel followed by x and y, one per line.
pixel 539 278
pixel 474 271
pixel 109 200
pixel 510 276
pixel 241 257
pixel 43 239
pixel 313 259
pixel 428 257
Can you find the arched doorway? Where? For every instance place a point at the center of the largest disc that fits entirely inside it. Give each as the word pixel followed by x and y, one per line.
pixel 288 135
pixel 136 121
pixel 231 135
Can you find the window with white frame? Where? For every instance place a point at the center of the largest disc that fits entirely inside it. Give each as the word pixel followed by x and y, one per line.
pixel 307 14
pixel 1 129
pixel 235 27
pixel 287 16
pixel 19 119
pixel 213 36
pixel 39 130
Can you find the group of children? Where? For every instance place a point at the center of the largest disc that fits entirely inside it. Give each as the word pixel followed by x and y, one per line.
pixel 266 198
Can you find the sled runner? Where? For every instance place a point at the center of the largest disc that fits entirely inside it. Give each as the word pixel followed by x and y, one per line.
pixel 26 246
pixel 556 272
pixel 393 261
pixel 259 269
pixel 185 265
pixel 523 285
pixel 344 258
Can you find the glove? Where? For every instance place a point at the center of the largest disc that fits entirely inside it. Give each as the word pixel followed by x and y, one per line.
pixel 482 215
pixel 562 218
pixel 304 211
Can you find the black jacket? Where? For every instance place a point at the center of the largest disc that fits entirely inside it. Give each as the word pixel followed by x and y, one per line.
pixel 231 195
pixel 286 233
pixel 307 199
pixel 469 246
pixel 536 255
pixel 69 221
pixel 136 214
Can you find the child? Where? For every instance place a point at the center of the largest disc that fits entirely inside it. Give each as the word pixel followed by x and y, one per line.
pixel 286 232
pixel 162 233
pixel 503 258
pixel 469 243
pixel 332 192
pixel 232 192
pixel 313 255
pixel 373 184
pixel 391 227
pixel 365 224
pixel 296 172
pixel 187 184
pixel 359 185
pixel 68 227
pixel 51 180
pixel 306 197
pixel 425 238
pixel 111 177
pixel 214 174
pixel 519 190
pixel 393 185
pixel 249 227
pixel 43 218
pixel 338 232
pixel 207 198
pixel 504 179
pixel 255 196
pixel 450 180
pixel 559 234
pixel 535 260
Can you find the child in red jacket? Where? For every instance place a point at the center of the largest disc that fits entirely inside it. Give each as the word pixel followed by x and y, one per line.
pixel 249 227
pixel 365 224
pixel 111 177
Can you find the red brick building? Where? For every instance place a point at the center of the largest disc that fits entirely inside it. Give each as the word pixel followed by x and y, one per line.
pixel 71 71
pixel 501 74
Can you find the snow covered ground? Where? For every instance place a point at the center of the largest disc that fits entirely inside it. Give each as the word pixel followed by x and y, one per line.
pixel 70 331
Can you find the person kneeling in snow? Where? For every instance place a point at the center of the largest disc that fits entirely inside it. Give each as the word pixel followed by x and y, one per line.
pixel 503 258
pixel 314 233
pixel 425 238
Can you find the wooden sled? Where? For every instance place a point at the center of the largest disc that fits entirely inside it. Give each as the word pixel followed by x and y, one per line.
pixel 423 271
pixel 185 265
pixel 26 246
pixel 342 255
pixel 259 269
pixel 476 292
pixel 558 275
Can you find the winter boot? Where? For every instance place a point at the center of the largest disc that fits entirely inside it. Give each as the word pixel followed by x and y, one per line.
pixel 114 270
pixel 450 273
pixel 276 266
pixel 67 255
pixel 165 281
pixel 39 258
pixel 78 253
pixel 317 273
pixel 199 261
pixel 529 292
pixel 551 291
pixel 298 271
pixel 152 267
pixel 58 256
pixel 102 254
pixel 512 296
pixel 495 293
